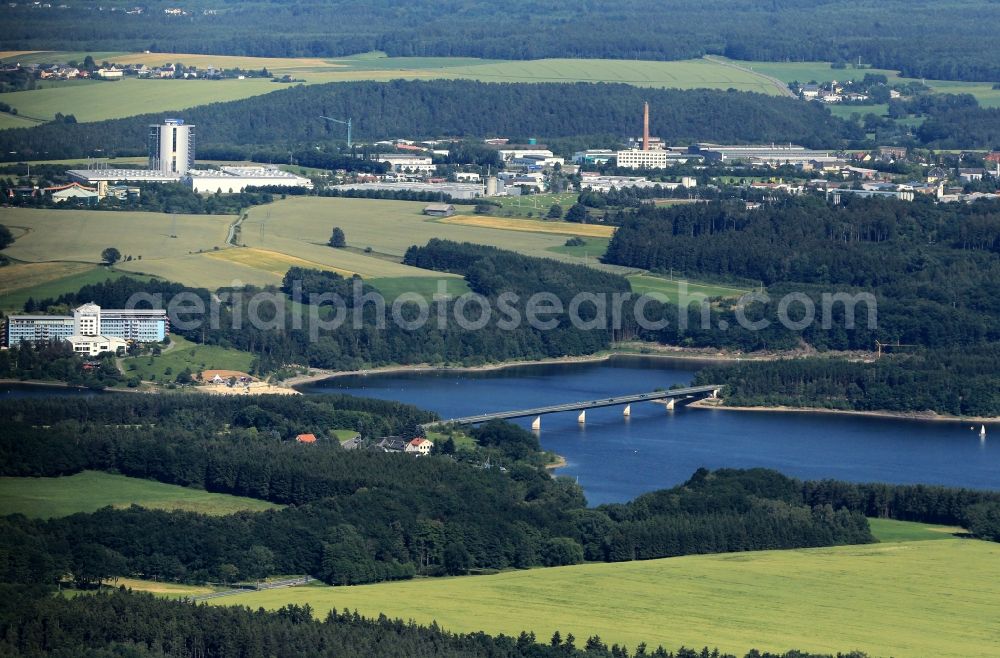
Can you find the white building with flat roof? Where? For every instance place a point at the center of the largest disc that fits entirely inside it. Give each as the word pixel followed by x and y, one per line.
pixel 639 159
pixel 95 345
pixel 232 180
pixel 405 162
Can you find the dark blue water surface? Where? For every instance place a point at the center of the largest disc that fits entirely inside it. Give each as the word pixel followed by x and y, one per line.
pixel 20 391
pixel 615 459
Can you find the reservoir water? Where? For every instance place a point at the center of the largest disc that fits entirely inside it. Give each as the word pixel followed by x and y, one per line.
pixel 616 458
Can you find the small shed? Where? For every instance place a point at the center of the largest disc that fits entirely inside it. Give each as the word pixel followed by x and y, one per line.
pixel 439 210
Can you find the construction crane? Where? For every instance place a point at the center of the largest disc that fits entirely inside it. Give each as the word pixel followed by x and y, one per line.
pixel 346 123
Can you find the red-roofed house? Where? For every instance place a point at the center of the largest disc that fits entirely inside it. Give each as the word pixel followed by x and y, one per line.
pixel 419 446
pixel 306 438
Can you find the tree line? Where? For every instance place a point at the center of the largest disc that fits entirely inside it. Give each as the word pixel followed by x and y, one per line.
pixel 450 108
pixel 926 44
pixel 121 623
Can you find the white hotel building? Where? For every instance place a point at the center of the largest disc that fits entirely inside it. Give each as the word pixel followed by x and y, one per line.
pixel 91 329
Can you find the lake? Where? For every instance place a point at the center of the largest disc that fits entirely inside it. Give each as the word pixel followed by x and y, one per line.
pixel 615 458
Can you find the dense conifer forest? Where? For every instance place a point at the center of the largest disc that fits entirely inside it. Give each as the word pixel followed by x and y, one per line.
pixel 946 41
pixel 452 108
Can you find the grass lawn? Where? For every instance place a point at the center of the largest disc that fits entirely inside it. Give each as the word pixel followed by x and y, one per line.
pixel 908 600
pixel 592 248
pixel 650 284
pixel 393 287
pixel 185 354
pixel 533 205
pixel 344 435
pixel 165 590
pixel 91 490
pixel 889 530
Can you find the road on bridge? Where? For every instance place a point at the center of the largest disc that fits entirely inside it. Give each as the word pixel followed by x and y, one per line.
pixel 690 392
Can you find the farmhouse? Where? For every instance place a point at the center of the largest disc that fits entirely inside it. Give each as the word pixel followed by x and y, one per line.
pixel 419 447
pixel 439 210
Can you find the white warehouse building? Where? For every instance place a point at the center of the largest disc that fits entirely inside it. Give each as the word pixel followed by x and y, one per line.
pixel 232 180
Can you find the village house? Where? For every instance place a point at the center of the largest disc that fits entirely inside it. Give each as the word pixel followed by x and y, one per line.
pixel 306 438
pixel 419 447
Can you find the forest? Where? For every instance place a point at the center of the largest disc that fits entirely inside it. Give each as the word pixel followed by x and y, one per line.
pixel 361 515
pixel 120 623
pixel 933 270
pixel 450 108
pixel 950 41
pixel 349 347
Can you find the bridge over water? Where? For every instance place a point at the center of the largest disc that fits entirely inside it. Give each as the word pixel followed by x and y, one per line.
pixel 671 399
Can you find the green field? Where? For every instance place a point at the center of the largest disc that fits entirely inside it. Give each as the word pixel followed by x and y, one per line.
pixel 591 250
pixel 47 280
pixel 91 490
pixel 888 530
pixel 81 235
pixel 532 205
pixel 393 287
pixel 908 600
pixel 302 226
pixel 182 355
pixel 671 289
pixel 96 100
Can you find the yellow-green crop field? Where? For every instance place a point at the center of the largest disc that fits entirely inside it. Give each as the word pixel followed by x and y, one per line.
pixel 908 600
pixel 531 225
pixel 91 490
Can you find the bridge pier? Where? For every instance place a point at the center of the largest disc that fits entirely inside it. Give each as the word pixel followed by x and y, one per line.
pixel 582 418
pixel 627 411
pixel 537 423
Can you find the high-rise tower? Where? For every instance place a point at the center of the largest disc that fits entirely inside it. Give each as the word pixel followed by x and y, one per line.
pixel 171 147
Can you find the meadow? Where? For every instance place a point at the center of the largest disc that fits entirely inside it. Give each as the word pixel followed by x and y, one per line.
pixel 89 491
pixel 532 205
pixel 21 281
pixel 302 226
pixel 183 354
pixel 908 600
pixel 670 289
pixel 81 235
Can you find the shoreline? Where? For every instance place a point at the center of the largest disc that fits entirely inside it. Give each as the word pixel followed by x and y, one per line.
pixel 893 415
pixel 676 354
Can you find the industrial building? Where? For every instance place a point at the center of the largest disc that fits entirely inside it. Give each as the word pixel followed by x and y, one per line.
pixel 404 162
pixel 171 147
pixel 639 159
pixel 453 190
pixel 90 320
pixel 232 180
pixel 773 154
